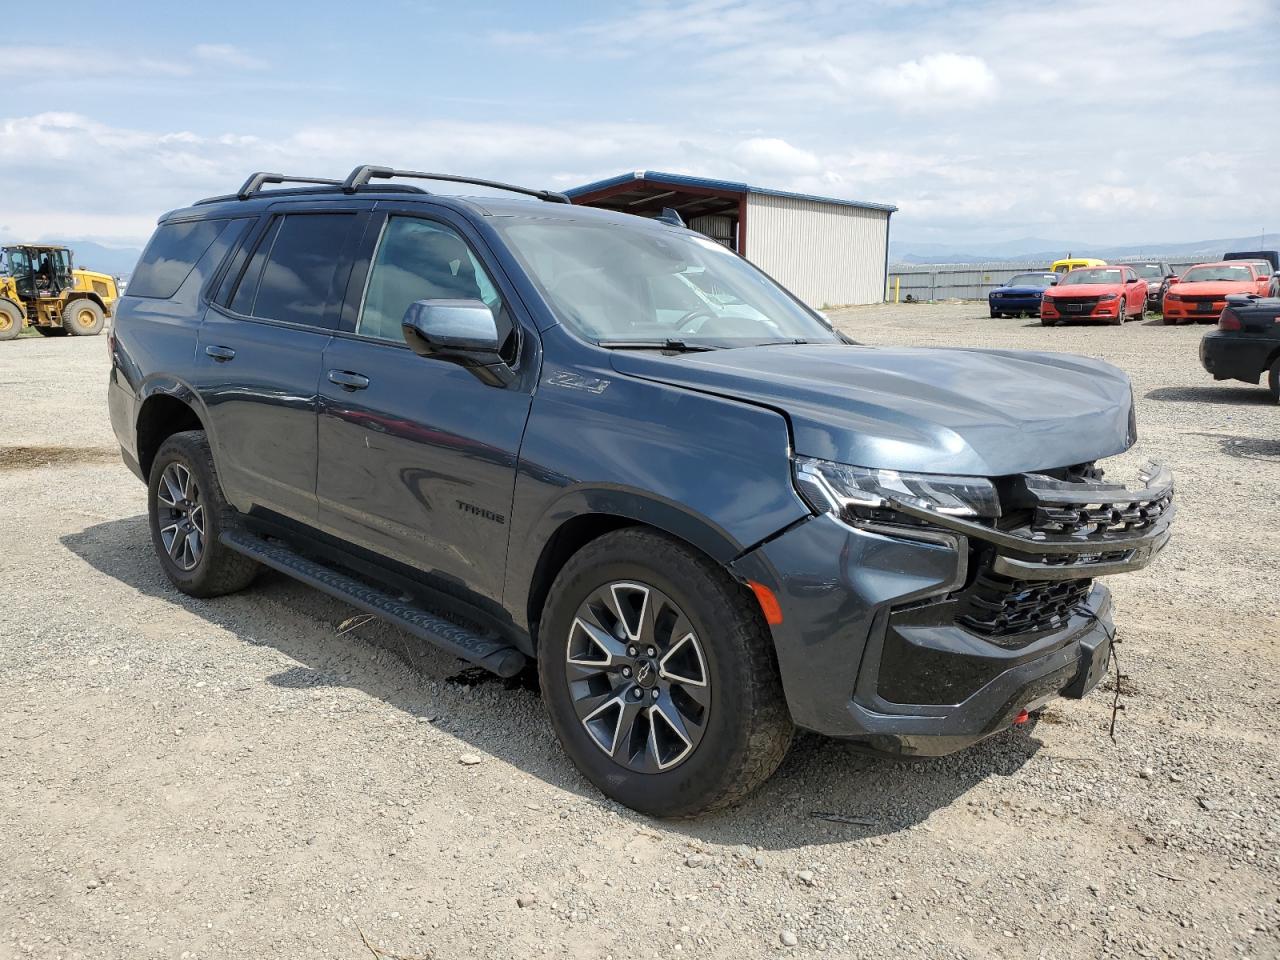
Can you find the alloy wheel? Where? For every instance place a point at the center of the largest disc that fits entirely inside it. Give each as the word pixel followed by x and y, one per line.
pixel 638 676
pixel 181 515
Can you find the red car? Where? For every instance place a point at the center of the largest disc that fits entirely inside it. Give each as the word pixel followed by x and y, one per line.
pixel 1201 292
pixel 1114 294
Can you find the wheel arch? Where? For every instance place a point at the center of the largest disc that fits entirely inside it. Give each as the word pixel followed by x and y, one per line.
pixel 162 413
pixel 585 515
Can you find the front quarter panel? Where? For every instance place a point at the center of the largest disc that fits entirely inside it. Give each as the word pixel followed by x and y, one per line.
pixel 713 472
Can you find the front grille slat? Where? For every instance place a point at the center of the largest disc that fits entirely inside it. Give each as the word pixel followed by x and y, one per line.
pixel 999 607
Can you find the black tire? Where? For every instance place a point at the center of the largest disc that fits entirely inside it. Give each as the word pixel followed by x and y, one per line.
pixel 1168 321
pixel 1273 380
pixel 1120 313
pixel 995 314
pixel 11 321
pixel 217 569
pixel 83 318
pixel 746 727
pixel 1047 323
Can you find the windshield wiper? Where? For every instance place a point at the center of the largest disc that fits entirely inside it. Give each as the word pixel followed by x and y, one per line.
pixel 669 343
pixel 779 343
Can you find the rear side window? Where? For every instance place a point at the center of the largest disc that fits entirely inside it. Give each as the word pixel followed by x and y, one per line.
pixel 292 274
pixel 171 255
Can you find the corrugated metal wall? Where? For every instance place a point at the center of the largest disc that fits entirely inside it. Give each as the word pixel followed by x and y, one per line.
pixel 827 254
pixel 719 228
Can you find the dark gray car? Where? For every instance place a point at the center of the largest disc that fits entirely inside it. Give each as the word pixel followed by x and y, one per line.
pixel 1158 275
pixel 523 430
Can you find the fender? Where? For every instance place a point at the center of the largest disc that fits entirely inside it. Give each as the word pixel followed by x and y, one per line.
pixel 709 470
pixel 174 388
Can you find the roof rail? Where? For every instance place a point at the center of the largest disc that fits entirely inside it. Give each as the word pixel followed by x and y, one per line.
pixel 363 174
pixel 257 181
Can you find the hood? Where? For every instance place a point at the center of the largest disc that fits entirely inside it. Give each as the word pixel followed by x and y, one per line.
pixel 976 412
pixel 1213 288
pixel 1086 290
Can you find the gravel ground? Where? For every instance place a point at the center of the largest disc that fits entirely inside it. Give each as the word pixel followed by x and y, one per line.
pixel 241 777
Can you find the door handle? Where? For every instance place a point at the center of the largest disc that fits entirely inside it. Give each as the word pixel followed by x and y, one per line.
pixel 221 354
pixel 348 380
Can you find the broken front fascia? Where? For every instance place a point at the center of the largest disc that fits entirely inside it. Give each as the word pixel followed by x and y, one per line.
pixel 1075 528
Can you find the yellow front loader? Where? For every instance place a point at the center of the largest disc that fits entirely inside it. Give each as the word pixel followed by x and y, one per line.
pixel 41 288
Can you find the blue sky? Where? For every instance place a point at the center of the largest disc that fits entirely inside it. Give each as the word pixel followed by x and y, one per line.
pixel 983 121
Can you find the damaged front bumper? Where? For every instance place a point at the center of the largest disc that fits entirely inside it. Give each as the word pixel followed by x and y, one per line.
pixel 923 637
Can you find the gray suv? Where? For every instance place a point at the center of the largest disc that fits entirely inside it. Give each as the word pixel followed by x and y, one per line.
pixel 523 430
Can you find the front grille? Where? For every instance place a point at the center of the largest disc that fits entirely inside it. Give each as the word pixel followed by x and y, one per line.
pixel 1099 519
pixel 1201 298
pixel 996 607
pixel 1076 304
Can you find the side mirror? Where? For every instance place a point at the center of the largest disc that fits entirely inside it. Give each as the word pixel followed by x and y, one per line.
pixel 1173 278
pixel 457 331
pixel 1132 280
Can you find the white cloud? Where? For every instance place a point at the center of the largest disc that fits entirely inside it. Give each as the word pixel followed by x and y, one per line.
pixel 772 155
pixel 937 80
pixel 56 62
pixel 224 54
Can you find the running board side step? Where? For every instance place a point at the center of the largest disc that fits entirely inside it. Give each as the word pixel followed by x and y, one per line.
pixel 487 651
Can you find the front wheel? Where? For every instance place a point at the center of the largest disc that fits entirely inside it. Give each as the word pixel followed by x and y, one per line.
pixel 658 673
pixel 1120 314
pixel 10 319
pixel 187 514
pixel 1273 380
pixel 83 318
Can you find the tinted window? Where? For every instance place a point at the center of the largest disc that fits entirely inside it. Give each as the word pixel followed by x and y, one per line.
pixel 170 256
pixel 299 258
pixel 242 302
pixel 423 260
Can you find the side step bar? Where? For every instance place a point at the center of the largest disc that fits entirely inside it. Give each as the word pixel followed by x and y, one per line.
pixel 488 651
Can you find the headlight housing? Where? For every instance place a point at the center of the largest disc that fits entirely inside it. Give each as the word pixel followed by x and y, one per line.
pixel 864 494
pixel 1110 296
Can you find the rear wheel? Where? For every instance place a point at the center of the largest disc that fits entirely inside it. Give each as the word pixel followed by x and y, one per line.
pixel 658 673
pixel 83 318
pixel 10 319
pixel 1273 380
pixel 187 514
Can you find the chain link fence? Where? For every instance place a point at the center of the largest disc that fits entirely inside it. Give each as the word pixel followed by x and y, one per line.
pixel 973 281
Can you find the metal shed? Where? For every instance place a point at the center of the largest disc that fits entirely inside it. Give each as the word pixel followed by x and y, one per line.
pixel 827 251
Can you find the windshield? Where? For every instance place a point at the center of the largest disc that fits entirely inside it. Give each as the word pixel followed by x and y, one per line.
pixel 1230 274
pixel 1031 280
pixel 1147 271
pixel 610 283
pixel 1092 275
pixel 16 261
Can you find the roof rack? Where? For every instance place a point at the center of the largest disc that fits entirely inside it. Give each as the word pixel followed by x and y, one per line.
pixel 257 181
pixel 361 175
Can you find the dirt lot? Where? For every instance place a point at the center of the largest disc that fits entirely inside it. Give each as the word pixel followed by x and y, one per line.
pixel 237 778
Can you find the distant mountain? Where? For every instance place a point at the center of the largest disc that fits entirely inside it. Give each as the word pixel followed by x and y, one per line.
pixel 117 261
pixel 1037 250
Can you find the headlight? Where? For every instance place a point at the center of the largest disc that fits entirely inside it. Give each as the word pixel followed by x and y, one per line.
pixel 857 494
pixel 1110 296
pixel 1173 296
